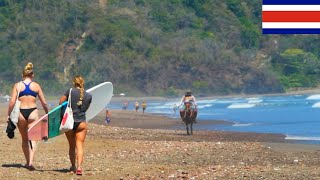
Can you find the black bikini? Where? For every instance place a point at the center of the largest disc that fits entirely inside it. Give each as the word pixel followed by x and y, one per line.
pixel 26 112
pixel 75 126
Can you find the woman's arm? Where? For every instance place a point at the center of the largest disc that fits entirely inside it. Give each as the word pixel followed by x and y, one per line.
pixel 63 98
pixel 43 100
pixel 12 99
pixel 194 100
pixel 181 101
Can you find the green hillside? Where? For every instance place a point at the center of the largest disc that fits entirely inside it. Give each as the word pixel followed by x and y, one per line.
pixel 148 47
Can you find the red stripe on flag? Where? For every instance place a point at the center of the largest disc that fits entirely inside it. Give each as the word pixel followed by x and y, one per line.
pixel 291 16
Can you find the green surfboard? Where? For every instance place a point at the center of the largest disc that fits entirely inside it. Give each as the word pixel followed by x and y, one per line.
pixel 54 120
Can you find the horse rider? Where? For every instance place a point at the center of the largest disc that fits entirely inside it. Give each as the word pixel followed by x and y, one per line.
pixel 188 98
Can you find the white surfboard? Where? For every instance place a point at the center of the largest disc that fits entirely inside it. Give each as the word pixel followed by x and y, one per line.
pixel 101 96
pixel 48 125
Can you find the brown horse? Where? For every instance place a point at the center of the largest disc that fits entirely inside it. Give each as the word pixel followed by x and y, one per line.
pixel 188 115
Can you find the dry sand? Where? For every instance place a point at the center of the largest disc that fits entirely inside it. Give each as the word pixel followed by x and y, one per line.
pixel 138 146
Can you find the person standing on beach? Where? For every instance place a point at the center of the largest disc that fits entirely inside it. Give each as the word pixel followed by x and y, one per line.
pixel 80 102
pixel 136 106
pixel 108 117
pixel 144 106
pixel 125 105
pixel 175 108
pixel 27 92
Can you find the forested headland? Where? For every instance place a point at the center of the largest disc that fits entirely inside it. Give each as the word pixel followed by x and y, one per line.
pixel 148 47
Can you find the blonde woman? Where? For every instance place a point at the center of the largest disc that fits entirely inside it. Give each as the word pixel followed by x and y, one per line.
pixel 28 93
pixel 80 102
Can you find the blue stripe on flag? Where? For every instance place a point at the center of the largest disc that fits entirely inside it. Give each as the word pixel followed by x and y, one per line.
pixel 291 2
pixel 290 31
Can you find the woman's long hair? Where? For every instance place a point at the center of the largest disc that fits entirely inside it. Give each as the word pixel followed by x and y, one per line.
pixel 78 82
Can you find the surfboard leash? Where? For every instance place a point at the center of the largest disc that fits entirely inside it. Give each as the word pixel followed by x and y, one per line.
pixel 30 144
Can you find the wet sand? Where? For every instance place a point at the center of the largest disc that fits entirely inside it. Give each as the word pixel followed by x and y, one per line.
pixel 137 120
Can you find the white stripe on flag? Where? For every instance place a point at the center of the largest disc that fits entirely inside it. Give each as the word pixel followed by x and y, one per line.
pixel 290 7
pixel 289 25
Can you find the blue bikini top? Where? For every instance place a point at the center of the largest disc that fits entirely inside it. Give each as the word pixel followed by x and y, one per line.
pixel 27 91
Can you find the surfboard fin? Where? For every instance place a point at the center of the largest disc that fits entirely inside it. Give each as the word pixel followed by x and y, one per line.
pixel 45 139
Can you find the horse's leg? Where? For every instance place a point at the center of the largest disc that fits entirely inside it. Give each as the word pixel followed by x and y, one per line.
pixel 187 128
pixel 185 114
pixel 194 117
pixel 181 114
pixel 191 127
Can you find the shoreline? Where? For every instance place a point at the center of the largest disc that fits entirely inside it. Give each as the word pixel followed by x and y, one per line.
pixel 290 136
pixel 137 120
pixel 150 121
pixel 153 121
pixel 131 119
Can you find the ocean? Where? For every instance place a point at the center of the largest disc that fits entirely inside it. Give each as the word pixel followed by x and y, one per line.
pixel 296 116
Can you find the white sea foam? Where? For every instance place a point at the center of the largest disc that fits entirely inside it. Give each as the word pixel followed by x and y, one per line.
pixel 313 97
pixel 241 105
pixel 154 103
pixel 160 107
pixel 316 105
pixel 229 101
pixel 253 98
pixel 305 138
pixel 204 106
pixel 255 101
pixel 244 124
pixel 206 101
pixel 169 105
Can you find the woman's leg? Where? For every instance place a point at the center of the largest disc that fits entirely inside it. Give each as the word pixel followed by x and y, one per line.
pixel 72 148
pixel 32 144
pixel 23 129
pixel 81 133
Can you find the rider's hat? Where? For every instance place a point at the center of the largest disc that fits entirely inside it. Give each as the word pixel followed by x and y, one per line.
pixel 188 93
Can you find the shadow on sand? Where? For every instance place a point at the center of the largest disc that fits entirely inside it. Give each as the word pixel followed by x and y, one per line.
pixel 64 170
pixel 13 165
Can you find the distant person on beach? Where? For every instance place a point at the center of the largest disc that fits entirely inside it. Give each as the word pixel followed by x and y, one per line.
pixel 188 98
pixel 108 117
pixel 136 106
pixel 80 102
pixel 125 105
pixel 144 106
pixel 27 92
pixel 175 107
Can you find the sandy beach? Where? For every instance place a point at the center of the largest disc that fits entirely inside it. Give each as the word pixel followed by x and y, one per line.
pixel 147 146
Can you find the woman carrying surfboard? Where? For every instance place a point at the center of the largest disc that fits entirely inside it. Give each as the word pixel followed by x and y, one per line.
pixel 80 102
pixel 27 92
